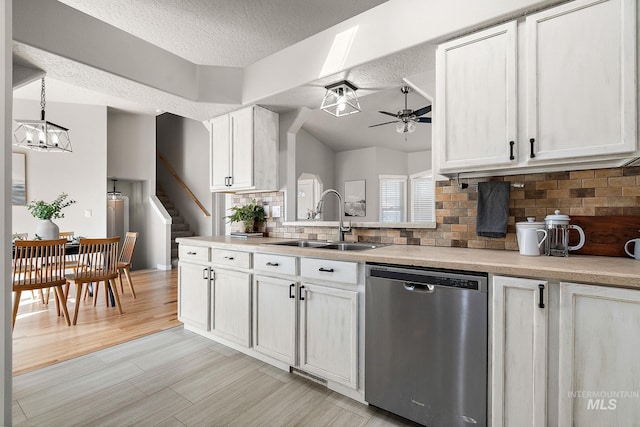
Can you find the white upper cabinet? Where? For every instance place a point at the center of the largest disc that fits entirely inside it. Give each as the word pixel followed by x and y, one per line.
pixel 244 151
pixel 581 73
pixel 572 76
pixel 476 99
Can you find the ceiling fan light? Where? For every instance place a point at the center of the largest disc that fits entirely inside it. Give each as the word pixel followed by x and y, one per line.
pixel 401 127
pixel 411 126
pixel 341 99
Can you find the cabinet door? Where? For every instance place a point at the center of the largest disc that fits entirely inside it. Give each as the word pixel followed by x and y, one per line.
pixel 193 295
pixel 329 333
pixel 476 92
pixel 274 318
pixel 219 153
pixel 581 74
pixel 519 355
pixel 599 348
pixel 231 306
pixel 242 149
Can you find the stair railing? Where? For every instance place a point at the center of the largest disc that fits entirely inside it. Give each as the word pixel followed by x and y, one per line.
pixel 184 186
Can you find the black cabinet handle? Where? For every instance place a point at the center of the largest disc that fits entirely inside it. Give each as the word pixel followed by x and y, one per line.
pixel 533 154
pixel 272 264
pixel 326 270
pixel 191 253
pixel 511 144
pixel 291 294
pixel 230 181
pixel 230 258
pixel 541 302
pixel 300 295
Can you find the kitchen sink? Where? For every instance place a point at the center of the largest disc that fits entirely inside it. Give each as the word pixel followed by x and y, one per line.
pixel 303 243
pixel 348 246
pixel 340 246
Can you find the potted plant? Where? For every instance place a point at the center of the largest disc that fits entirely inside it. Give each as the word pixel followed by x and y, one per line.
pixel 44 211
pixel 252 215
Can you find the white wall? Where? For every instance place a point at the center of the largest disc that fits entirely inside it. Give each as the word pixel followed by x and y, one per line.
pixel 185 144
pixel 314 157
pixel 355 165
pixel 81 174
pixel 419 161
pixel 6 95
pixel 131 158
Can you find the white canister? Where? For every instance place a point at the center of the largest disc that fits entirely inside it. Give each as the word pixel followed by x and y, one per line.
pixel 531 243
pixel 531 223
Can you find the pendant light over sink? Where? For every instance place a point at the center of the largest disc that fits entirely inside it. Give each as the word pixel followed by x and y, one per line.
pixel 341 99
pixel 42 135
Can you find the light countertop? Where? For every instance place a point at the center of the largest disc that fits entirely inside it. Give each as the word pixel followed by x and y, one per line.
pixel 611 271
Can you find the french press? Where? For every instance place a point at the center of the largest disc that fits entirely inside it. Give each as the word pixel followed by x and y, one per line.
pixel 558 227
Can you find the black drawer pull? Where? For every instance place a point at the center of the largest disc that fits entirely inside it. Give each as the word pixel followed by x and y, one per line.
pixel 326 270
pixel 272 264
pixel 192 253
pixel 511 144
pixel 291 292
pixel 533 154
pixel 541 302
pixel 230 258
pixel 301 297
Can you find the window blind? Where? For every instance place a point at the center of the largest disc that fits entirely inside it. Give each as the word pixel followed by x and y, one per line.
pixel 422 198
pixel 393 198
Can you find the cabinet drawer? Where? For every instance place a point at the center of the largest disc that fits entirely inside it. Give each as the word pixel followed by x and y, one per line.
pixel 324 269
pixel 193 253
pixel 281 264
pixel 231 258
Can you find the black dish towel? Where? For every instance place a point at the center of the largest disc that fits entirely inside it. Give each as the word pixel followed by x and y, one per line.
pixel 493 209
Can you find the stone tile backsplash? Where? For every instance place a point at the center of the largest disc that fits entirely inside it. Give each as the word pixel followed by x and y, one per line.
pixel 598 192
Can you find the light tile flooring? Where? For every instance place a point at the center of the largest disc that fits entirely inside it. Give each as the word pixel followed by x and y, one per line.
pixel 178 378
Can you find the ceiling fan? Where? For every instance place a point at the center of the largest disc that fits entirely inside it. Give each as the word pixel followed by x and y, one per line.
pixel 406 119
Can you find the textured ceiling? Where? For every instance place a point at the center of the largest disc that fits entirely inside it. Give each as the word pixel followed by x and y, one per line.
pixel 222 32
pixel 238 33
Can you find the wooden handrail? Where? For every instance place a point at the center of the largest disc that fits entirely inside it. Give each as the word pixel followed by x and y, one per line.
pixel 184 186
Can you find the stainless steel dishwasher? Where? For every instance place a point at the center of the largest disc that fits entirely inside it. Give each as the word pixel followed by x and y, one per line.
pixel 426 344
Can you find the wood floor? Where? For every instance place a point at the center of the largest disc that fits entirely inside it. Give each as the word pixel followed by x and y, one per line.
pixel 41 338
pixel 178 378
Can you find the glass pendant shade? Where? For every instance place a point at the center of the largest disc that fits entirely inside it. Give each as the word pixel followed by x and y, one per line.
pixel 42 135
pixel 341 99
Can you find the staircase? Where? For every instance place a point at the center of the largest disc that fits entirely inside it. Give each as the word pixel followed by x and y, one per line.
pixel 178 227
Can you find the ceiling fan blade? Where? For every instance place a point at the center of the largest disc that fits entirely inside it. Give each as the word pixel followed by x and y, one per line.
pixel 388 114
pixel 385 123
pixel 422 111
pixel 423 119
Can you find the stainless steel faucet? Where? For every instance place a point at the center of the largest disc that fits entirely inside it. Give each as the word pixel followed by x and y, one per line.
pixel 342 229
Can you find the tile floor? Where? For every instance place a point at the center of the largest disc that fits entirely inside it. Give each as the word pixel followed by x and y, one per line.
pixel 178 378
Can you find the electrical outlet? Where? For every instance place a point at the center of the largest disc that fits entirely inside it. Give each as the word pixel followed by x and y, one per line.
pixel 88 213
pixel 275 211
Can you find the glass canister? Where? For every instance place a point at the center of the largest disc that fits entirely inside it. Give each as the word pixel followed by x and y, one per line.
pixel 558 227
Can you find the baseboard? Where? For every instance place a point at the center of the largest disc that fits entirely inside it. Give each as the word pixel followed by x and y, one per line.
pixel 164 266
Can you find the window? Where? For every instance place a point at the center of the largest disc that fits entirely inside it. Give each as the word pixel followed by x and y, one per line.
pixel 393 198
pixel 422 203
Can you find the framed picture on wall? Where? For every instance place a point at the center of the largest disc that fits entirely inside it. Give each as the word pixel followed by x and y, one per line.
pixel 18 179
pixel 355 198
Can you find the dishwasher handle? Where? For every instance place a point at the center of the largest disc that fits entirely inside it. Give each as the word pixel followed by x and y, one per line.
pixel 419 287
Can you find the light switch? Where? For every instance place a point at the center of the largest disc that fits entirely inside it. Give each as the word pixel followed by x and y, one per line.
pixel 275 211
pixel 88 213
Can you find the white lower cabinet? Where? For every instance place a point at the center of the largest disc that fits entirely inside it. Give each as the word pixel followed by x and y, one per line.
pixel 599 372
pixel 231 305
pixel 519 352
pixel 274 318
pixel 329 333
pixel 194 294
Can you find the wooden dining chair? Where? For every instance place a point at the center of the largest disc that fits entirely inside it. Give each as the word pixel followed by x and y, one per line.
pixel 98 260
pixel 68 235
pixel 39 264
pixel 124 262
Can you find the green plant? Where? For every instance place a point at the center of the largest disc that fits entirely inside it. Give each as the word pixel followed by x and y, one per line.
pixel 43 210
pixel 251 213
